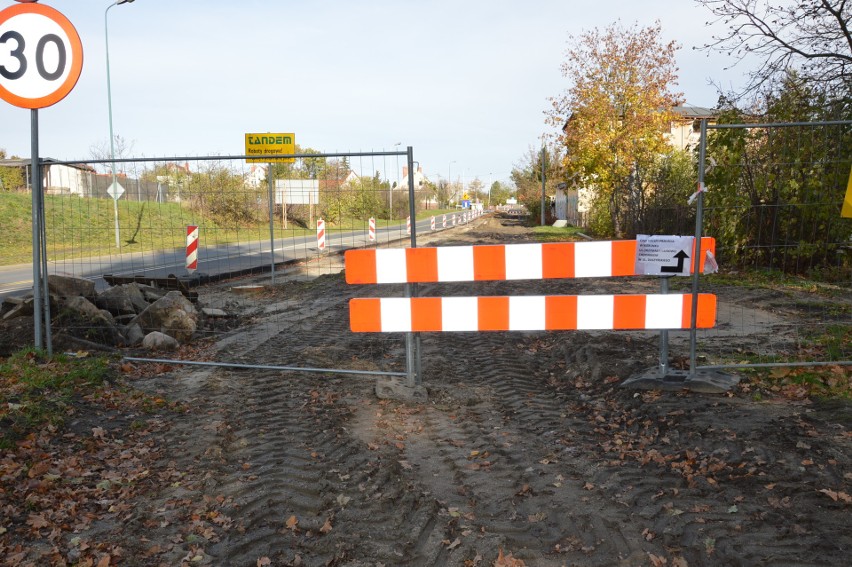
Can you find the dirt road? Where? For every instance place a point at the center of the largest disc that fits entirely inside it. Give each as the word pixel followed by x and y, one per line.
pixel 527 452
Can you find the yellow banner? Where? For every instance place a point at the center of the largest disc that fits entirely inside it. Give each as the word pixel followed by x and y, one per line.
pixel 270 144
pixel 846 211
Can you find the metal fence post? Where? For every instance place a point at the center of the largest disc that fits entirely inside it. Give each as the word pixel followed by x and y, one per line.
pixel 699 261
pixel 271 225
pixel 412 352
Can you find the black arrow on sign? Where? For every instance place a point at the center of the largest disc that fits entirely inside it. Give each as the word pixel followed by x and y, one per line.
pixel 681 256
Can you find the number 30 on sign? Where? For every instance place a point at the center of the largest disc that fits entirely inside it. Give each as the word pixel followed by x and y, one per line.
pixel 41 55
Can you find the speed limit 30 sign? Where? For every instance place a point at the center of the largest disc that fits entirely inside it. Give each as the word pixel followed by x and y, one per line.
pixel 41 55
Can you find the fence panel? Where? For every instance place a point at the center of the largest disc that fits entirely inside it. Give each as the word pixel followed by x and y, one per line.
pixel 773 204
pixel 248 222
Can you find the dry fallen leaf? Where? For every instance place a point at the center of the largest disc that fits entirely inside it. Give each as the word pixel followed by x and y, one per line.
pixel 37 521
pixel 837 495
pixel 507 560
pixel 657 561
pixel 264 561
pixel 291 523
pixel 326 527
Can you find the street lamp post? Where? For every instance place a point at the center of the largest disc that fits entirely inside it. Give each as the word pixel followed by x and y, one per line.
pixel 114 185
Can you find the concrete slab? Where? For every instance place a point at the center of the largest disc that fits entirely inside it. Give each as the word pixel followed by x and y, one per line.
pixel 394 388
pixel 702 381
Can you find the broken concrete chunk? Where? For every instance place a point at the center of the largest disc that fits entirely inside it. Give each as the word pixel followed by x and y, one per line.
pixel 70 286
pixel 159 341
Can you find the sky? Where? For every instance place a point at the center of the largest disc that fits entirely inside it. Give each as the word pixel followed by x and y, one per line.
pixel 466 83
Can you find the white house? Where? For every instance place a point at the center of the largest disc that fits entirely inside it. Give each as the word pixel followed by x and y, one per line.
pixel 59 179
pixel 255 176
pixel 682 135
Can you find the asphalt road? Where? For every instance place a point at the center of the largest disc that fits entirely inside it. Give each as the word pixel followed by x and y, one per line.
pixel 212 259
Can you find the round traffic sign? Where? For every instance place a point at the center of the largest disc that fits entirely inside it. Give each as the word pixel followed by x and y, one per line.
pixel 41 55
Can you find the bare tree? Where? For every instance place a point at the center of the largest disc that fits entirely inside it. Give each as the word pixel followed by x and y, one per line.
pixel 809 37
pixel 102 151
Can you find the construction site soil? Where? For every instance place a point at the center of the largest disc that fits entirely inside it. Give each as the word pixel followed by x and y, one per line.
pixel 527 452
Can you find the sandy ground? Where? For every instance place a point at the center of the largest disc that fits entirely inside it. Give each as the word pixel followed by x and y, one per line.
pixel 527 451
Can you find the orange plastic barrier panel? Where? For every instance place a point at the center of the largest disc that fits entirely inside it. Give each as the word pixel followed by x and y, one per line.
pixel 498 262
pixel 530 313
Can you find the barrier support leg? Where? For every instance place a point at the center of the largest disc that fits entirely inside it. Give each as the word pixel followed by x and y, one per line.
pixel 663 377
pixel 411 390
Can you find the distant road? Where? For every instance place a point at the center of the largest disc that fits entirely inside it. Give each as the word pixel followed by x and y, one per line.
pixel 212 259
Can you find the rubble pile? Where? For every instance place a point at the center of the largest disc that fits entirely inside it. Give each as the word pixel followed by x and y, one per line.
pixel 128 315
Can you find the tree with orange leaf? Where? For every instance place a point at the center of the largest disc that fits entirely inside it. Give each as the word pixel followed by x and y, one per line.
pixel 614 116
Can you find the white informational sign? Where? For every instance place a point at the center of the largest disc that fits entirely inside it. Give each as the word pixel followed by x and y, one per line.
pixel 115 190
pixel 662 255
pixel 297 191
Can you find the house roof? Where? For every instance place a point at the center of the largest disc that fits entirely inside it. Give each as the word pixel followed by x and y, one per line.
pixel 26 162
pixel 691 112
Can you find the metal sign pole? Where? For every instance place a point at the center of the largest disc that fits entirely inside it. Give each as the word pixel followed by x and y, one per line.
pixel 35 187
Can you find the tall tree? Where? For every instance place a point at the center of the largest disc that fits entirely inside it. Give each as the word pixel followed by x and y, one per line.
pixel 498 193
pixel 103 151
pixel 812 37
pixel 614 116
pixel 527 177
pixel 475 189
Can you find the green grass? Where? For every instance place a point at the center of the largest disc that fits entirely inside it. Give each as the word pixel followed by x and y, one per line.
pixel 83 227
pixel 776 280
pixel 554 234
pixel 36 391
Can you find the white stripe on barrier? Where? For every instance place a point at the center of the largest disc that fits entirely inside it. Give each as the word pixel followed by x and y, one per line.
pixel 523 262
pixel 592 259
pixel 526 313
pixel 396 314
pixel 594 312
pixel 394 270
pixel 455 263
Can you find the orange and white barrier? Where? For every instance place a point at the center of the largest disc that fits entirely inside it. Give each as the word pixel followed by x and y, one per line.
pixel 432 223
pixel 497 262
pixel 530 313
pixel 408 225
pixel 191 249
pixel 372 230
pixel 321 234
pixel 444 222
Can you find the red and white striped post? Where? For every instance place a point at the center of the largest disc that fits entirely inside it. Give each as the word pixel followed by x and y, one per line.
pixel 408 225
pixel 454 219
pixel 444 222
pixel 191 248
pixel 432 223
pixel 372 230
pixel 321 235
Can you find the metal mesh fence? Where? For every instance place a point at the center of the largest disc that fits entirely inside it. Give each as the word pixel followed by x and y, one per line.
pixel 774 194
pixel 285 223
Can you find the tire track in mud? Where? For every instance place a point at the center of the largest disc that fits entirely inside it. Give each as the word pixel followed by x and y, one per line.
pixel 287 455
pixel 518 448
pixel 497 473
pixel 531 496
